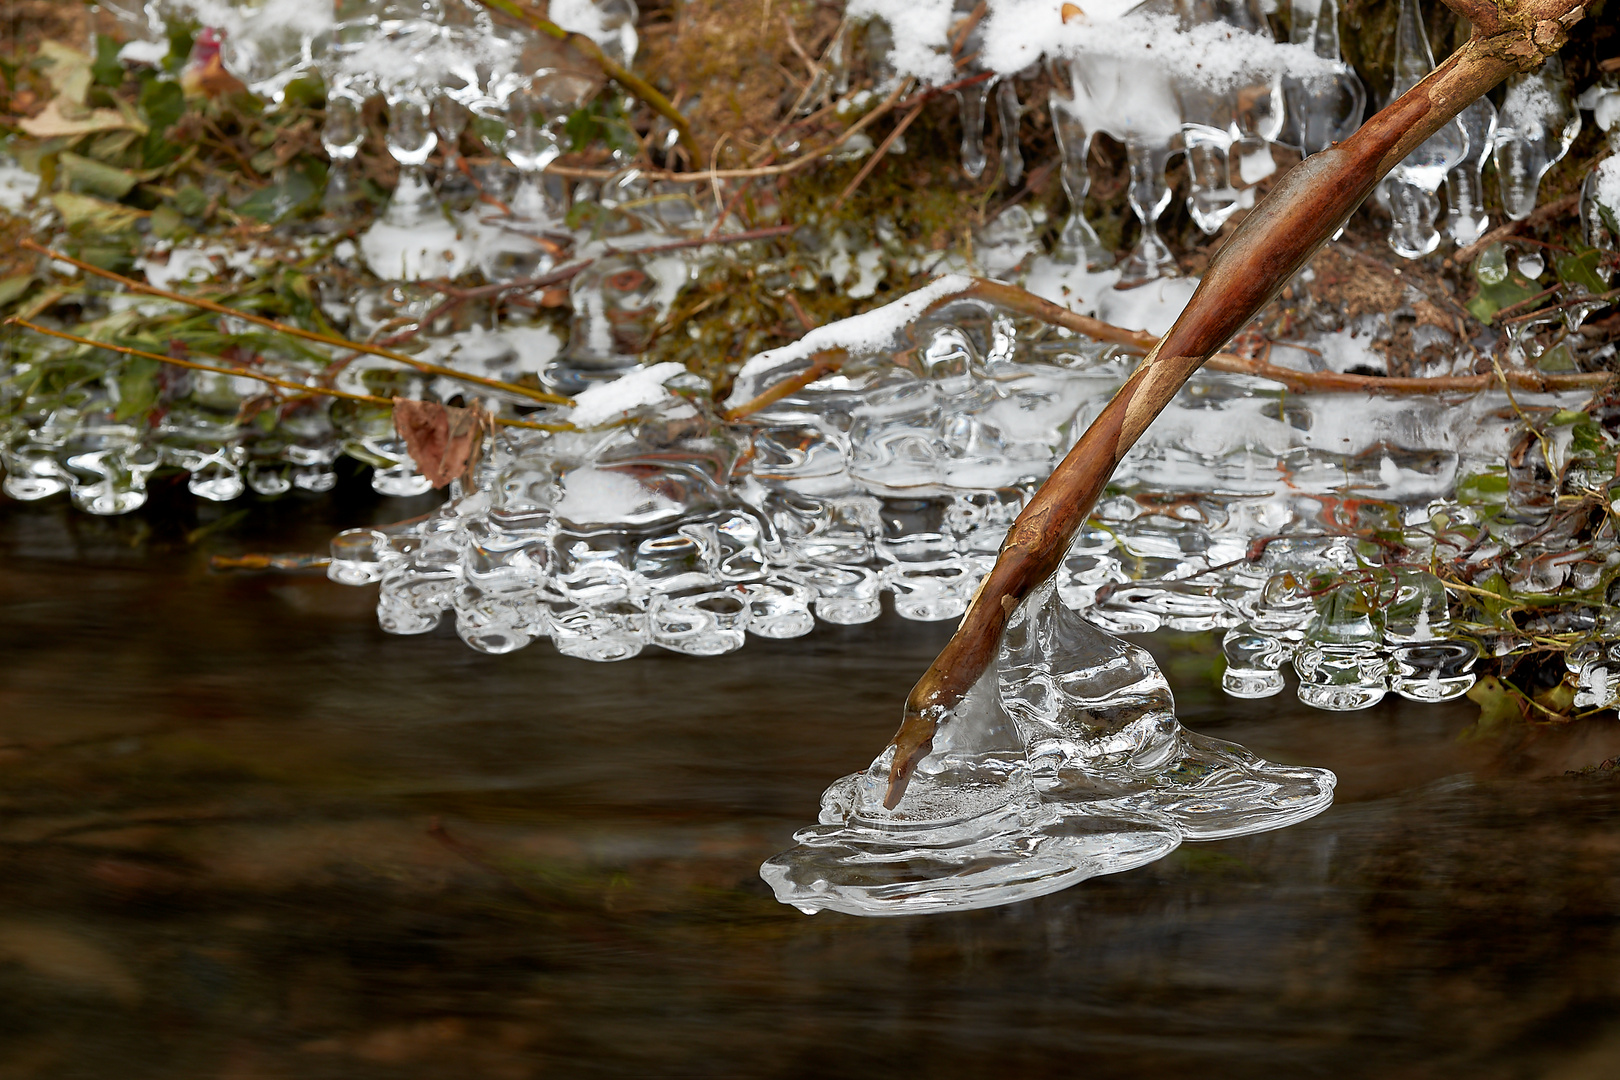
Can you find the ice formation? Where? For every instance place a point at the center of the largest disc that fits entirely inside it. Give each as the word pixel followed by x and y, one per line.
pixel 1065 762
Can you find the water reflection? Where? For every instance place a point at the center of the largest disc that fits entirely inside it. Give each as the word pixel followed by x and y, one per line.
pixel 220 859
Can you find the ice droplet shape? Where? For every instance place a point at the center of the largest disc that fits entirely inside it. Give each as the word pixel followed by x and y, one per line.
pixel 1065 762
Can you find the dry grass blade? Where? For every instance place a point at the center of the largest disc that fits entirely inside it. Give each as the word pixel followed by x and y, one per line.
pixel 221 369
pixel 307 335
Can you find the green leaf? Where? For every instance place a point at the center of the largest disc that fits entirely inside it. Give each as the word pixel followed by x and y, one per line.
pixel 13 287
pixel 602 120
pixel 190 200
pixel 166 221
pixel 182 35
pixel 106 70
pixel 93 217
pixel 137 388
pixel 91 177
pixel 276 202
pixel 1580 268
pixel 163 103
pixel 1498 704
pixel 1489 488
pixel 1499 286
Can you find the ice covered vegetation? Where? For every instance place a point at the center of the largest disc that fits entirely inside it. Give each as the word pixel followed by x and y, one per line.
pixel 693 367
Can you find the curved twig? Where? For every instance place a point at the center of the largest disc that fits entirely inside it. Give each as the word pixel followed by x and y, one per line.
pixel 1304 209
pixel 1012 297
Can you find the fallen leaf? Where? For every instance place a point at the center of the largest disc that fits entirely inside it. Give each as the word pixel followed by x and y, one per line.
pixel 1072 11
pixel 69 73
pixel 445 442
pixel 52 122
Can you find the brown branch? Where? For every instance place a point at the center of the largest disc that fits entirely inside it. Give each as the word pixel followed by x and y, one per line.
pixel 822 363
pixel 798 164
pixel 297 332
pixel 632 82
pixel 1014 298
pixel 1304 209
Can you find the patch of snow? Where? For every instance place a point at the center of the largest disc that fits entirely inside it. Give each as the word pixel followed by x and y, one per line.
pixel 610 401
pixel 189 264
pixel 144 52
pixel 1607 188
pixel 866 332
pixel 599 496
pixel 1152 307
pixel 1127 49
pixel 17 186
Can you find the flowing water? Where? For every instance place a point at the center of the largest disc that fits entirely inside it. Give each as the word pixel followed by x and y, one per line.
pixel 247 834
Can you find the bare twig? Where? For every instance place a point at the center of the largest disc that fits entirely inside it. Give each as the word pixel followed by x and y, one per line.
pixel 878 154
pixel 297 332
pixel 632 82
pixel 703 241
pixel 1539 216
pixel 1025 302
pixel 798 164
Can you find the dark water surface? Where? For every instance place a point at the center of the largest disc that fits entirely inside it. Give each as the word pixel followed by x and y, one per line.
pixel 245 834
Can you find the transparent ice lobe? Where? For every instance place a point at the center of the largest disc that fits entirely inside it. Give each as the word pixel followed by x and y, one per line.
pixel 1064 762
pixel 1100 730
pixel 970 832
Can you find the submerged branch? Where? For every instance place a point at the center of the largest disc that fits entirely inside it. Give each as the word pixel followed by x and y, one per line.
pixel 308 335
pixel 1305 209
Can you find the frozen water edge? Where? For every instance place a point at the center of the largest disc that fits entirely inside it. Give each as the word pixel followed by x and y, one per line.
pixel 1066 762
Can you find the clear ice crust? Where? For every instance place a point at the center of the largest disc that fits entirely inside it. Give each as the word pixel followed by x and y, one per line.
pixel 1065 762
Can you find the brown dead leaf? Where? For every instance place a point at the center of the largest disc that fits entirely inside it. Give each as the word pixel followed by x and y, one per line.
pixel 1072 11
pixel 445 442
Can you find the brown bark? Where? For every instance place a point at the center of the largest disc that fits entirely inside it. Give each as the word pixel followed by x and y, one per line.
pixel 1306 208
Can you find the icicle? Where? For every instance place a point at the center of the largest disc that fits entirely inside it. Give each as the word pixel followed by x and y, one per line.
pixel 1537 126
pixel 1411 185
pixel 1010 112
pixel 1466 219
pixel 1077 243
pixel 970 101
pixel 1149 195
pixel 1332 112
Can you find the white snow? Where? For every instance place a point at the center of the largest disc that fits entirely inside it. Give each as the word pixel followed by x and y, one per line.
pixel 584 17
pixel 866 332
pixel 601 495
pixel 1130 58
pixel 1607 188
pixel 1152 307
pixel 191 263
pixel 17 186
pixel 143 52
pixel 607 402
